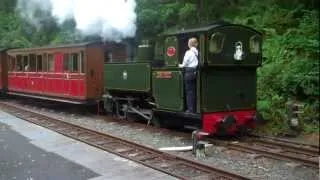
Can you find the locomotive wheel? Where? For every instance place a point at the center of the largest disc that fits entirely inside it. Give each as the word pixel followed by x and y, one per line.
pixel 108 106
pixel 121 110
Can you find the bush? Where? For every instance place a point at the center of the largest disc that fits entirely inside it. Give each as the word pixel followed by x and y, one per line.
pixel 291 70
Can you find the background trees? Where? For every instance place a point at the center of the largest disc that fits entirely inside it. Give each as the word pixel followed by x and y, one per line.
pixel 290 70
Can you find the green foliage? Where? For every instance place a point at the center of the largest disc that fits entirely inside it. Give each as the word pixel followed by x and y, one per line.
pixel 11 30
pixel 291 70
pixel 310 116
pixel 275 116
pixel 7 5
pixel 186 14
pixel 154 18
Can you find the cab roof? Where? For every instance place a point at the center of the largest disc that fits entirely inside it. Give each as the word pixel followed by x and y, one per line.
pixel 205 28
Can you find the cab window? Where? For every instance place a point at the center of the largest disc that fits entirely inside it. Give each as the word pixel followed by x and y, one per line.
pixel 255 44
pixel 216 42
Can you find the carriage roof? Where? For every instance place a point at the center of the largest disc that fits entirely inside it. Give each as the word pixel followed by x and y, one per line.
pixel 77 45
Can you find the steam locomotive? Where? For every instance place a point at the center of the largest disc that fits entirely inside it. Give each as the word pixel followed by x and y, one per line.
pixel 150 84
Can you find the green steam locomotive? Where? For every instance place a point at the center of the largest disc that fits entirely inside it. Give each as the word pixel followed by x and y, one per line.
pixel 151 85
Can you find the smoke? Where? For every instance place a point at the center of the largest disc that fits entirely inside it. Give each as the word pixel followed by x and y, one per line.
pixel 110 19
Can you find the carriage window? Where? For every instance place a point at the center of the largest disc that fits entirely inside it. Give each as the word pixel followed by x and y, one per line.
pixel 11 63
pixel 50 63
pixel 66 62
pixel 71 62
pixel 26 66
pixel 82 61
pixel 75 62
pixel 39 63
pixel 216 42
pixel 19 66
pixel 107 57
pixel 255 44
pixel 32 62
pixel 45 63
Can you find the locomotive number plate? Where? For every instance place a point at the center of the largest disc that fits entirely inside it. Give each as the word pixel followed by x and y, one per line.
pixel 164 75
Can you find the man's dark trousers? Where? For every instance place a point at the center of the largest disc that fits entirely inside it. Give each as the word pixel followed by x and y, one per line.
pixel 190 86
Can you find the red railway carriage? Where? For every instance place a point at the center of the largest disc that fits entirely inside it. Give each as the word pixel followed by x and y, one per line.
pixel 3 71
pixel 70 73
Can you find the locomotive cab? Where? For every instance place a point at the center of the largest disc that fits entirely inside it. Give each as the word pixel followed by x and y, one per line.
pixel 226 77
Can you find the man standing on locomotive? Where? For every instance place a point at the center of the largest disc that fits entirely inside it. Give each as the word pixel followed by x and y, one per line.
pixel 190 63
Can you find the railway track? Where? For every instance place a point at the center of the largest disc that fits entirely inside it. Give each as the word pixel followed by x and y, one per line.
pixel 170 164
pixel 275 148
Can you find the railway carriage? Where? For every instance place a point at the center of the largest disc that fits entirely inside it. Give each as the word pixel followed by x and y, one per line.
pixel 69 73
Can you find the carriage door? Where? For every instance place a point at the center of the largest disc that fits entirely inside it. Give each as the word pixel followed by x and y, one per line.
pixel 71 70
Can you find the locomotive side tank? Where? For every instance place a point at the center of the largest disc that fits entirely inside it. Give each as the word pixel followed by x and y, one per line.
pixel 128 84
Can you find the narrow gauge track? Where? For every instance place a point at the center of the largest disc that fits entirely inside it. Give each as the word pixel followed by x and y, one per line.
pixel 284 142
pixel 173 165
pixel 280 149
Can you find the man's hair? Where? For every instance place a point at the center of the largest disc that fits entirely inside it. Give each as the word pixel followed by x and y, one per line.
pixel 193 42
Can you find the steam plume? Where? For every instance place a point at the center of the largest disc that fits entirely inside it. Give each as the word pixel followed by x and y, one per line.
pixel 110 19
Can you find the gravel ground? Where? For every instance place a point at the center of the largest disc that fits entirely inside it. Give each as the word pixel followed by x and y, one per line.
pixel 241 163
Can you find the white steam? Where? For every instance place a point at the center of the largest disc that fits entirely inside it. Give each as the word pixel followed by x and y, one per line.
pixel 111 19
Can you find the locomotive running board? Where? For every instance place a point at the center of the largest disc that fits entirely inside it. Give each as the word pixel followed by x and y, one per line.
pixel 194 116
